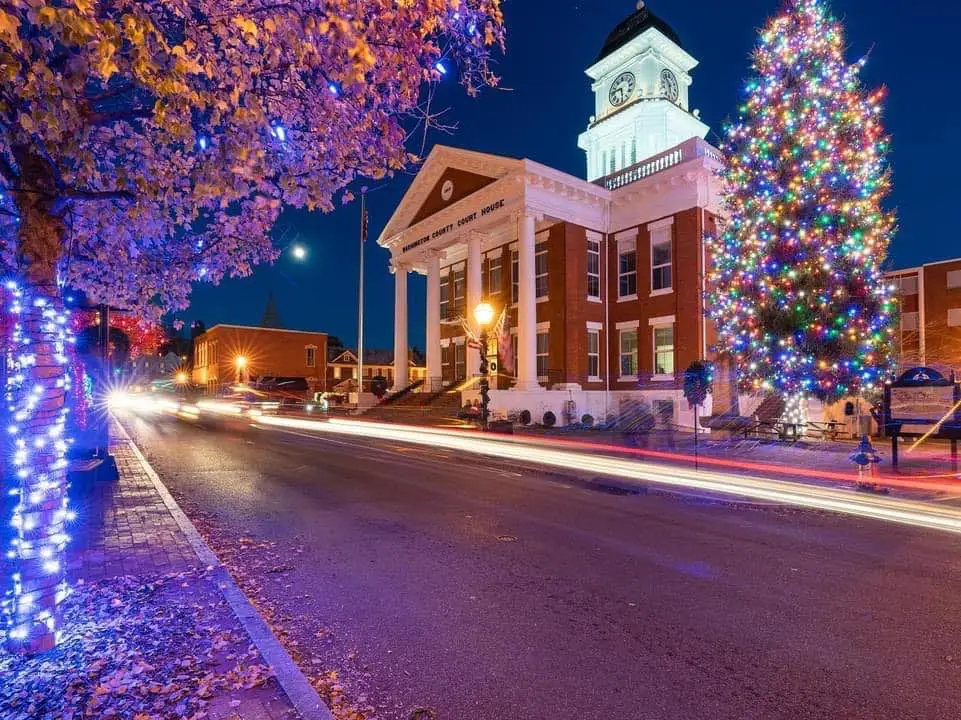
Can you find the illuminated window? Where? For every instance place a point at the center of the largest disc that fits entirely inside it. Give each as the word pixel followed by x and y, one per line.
pixel 594 354
pixel 661 261
pixel 664 350
pixel 310 353
pixel 628 340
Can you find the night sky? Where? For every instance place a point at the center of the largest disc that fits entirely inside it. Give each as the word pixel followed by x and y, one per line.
pixel 545 101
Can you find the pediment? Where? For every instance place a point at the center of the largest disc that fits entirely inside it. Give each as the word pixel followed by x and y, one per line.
pixel 466 172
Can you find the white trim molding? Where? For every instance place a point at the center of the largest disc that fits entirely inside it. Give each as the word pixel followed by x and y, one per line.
pixel 662 224
pixel 630 324
pixel 662 321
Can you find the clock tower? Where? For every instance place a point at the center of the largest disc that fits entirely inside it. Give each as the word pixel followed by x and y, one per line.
pixel 640 83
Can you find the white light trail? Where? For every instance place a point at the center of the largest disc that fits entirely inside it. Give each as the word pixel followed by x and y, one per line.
pixel 819 497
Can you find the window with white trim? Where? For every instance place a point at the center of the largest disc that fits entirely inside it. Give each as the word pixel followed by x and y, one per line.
pixel 514 353
pixel 460 361
pixel 445 295
pixel 628 354
pixel 310 356
pixel 540 270
pixel 908 284
pixel 446 361
pixel 627 273
pixel 954 279
pixel 954 317
pixel 515 275
pixel 909 321
pixel 593 353
pixel 661 260
pixel 594 269
pixel 543 353
pixel 664 350
pixel 494 275
pixel 460 290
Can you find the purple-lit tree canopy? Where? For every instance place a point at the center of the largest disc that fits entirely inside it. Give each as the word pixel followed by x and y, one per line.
pixel 797 289
pixel 148 144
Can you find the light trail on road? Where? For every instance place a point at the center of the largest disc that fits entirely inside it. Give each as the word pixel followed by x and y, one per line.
pixel 901 511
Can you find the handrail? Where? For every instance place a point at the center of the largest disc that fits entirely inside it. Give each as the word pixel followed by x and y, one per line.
pixel 687 150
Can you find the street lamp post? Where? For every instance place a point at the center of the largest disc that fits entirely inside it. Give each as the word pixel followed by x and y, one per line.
pixel 484 315
pixel 241 362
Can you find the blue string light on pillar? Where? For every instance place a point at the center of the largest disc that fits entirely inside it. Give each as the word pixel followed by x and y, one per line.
pixel 36 398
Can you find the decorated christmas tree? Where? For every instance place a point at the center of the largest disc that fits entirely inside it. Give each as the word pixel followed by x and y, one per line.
pixel 796 289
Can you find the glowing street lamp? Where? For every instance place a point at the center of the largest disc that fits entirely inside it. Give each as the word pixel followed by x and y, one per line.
pixel 299 252
pixel 181 378
pixel 241 362
pixel 484 316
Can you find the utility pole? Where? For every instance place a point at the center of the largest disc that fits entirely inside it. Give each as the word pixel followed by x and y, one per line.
pixel 360 295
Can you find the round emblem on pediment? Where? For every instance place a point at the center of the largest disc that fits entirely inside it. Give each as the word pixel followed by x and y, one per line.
pixel 447 190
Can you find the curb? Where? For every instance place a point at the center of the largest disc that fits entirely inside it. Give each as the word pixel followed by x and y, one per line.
pixel 295 685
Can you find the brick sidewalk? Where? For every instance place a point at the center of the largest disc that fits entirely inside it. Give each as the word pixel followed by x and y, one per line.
pixel 124 528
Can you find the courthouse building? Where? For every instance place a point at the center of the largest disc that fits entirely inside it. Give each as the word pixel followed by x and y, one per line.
pixel 602 276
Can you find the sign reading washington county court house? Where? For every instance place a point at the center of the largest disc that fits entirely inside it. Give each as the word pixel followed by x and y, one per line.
pixel 461 222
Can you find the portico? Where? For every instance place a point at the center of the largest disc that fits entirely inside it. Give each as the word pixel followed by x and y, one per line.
pixel 461 210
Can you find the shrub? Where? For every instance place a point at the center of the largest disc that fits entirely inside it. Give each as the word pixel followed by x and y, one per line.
pixel 550 419
pixel 525 417
pixel 587 420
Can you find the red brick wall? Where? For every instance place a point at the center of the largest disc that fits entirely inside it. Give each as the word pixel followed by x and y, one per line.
pixel 268 352
pixel 942 342
pixel 568 310
pixel 684 303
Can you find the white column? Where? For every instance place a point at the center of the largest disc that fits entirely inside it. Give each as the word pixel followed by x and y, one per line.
pixel 526 305
pixel 401 366
pixel 473 296
pixel 433 323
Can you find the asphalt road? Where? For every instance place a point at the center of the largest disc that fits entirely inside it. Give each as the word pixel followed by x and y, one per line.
pixel 486 592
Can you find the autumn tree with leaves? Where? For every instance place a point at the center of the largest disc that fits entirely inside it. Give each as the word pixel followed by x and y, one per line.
pixel 149 144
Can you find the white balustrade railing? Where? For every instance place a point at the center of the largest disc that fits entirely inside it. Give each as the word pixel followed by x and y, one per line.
pixel 688 150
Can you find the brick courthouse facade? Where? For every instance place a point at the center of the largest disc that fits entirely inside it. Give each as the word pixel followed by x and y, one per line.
pixel 602 278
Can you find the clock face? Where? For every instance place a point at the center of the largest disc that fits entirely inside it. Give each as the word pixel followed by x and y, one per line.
pixel 447 190
pixel 622 89
pixel 669 85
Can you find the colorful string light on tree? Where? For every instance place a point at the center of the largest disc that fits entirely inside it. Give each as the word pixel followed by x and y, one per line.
pixel 797 290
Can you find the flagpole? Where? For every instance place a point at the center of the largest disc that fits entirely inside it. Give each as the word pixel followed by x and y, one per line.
pixel 360 298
